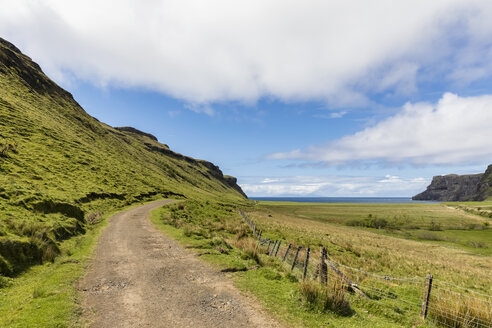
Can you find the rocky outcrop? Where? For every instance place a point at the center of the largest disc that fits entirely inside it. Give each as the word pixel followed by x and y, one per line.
pixel 136 131
pixel 485 184
pixel 232 181
pixel 453 187
pixel 29 71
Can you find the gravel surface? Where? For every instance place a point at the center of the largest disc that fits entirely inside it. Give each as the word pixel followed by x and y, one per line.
pixel 142 278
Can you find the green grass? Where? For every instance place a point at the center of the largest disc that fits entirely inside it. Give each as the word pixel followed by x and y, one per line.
pixel 405 216
pixel 45 295
pixel 451 224
pixel 483 209
pixel 475 241
pixel 67 165
pixel 281 297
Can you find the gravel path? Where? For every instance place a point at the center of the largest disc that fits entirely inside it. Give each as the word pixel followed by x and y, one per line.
pixel 142 278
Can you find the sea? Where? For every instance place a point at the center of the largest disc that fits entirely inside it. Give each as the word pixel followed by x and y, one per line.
pixel 363 200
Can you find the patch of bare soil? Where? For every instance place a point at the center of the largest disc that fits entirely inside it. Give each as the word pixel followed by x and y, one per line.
pixel 142 278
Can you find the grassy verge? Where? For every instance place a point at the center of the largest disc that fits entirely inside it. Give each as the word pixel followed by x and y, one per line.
pixel 45 295
pixel 220 237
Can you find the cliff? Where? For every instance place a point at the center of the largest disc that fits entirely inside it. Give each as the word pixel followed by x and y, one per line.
pixel 453 187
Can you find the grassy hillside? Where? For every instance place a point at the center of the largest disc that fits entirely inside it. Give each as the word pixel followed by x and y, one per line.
pixel 60 167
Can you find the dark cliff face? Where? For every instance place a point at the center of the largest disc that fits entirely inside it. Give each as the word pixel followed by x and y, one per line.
pixel 452 187
pixel 29 71
pixel 485 184
pixel 232 181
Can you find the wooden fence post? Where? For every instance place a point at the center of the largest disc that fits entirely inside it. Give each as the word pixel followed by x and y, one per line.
pixel 295 258
pixel 273 248
pixel 427 293
pixel 323 267
pixel 286 252
pixel 306 264
pixel 268 248
pixel 278 246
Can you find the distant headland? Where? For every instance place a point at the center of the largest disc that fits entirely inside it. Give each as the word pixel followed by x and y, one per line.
pixel 453 187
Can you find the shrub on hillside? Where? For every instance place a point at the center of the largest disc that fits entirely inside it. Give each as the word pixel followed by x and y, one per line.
pixel 93 218
pixel 373 222
pixel 435 226
pixel 8 146
pixel 325 298
pixel 426 235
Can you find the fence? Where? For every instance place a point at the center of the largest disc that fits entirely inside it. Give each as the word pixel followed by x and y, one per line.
pixel 437 301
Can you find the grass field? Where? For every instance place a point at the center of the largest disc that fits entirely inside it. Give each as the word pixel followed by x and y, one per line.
pixel 444 240
pixel 451 223
pixel 45 295
pixel 222 239
pixel 405 216
pixel 451 244
pixel 456 232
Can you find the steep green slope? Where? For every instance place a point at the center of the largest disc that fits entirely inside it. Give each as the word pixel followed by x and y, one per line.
pixel 59 166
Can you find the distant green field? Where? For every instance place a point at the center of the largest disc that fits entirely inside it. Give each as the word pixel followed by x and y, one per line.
pixel 452 224
pixel 352 229
pixel 409 216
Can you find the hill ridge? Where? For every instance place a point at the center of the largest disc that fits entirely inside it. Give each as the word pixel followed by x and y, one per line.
pixel 59 164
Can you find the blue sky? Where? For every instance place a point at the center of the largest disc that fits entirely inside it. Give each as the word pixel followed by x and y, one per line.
pixel 315 98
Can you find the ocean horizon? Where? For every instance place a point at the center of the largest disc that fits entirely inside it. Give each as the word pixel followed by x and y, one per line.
pixel 367 200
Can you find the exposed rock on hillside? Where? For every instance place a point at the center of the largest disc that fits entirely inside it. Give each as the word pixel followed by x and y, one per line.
pixel 136 131
pixel 453 187
pixel 232 181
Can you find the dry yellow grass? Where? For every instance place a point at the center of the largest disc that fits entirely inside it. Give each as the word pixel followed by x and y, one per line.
pixel 379 253
pixel 368 258
pixel 326 298
pixel 457 310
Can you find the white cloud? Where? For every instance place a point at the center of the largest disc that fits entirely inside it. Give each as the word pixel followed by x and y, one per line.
pixel 331 115
pixel 269 180
pixel 332 186
pixel 201 108
pixel 221 50
pixel 455 130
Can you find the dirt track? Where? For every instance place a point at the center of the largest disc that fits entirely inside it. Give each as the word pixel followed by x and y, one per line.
pixel 141 278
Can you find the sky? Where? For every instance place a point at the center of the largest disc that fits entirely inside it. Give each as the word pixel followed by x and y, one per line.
pixel 295 98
